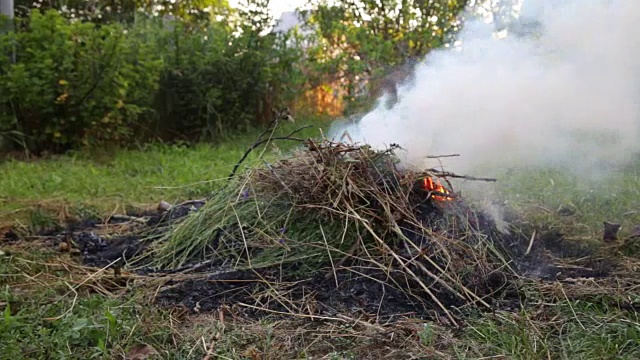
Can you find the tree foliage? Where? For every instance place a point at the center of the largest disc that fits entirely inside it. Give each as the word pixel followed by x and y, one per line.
pixel 125 11
pixel 360 40
pixel 115 71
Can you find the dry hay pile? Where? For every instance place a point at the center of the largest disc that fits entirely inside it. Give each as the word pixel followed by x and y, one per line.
pixel 335 219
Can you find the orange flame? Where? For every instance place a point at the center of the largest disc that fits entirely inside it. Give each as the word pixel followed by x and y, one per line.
pixel 436 186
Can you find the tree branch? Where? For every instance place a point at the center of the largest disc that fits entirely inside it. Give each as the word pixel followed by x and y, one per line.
pixel 260 142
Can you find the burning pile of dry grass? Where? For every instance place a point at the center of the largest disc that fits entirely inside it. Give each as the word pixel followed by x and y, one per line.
pixel 336 210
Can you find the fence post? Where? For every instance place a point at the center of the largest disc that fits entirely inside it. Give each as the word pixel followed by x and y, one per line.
pixel 7 10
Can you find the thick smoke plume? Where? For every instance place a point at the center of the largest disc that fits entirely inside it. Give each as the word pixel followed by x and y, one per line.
pixel 569 97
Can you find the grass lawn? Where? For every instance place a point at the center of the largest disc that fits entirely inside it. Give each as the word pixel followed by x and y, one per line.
pixel 54 308
pixel 78 185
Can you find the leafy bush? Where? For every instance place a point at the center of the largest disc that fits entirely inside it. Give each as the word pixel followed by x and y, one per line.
pixel 214 84
pixel 219 82
pixel 74 83
pixel 79 83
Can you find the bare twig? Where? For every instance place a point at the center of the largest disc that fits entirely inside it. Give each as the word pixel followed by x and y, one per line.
pixel 447 174
pixel 120 217
pixel 260 142
pixel 442 156
pixel 533 237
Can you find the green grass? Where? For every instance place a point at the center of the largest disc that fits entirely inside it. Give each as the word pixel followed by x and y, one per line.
pixel 50 312
pixel 42 318
pixel 575 204
pixel 67 319
pixel 566 330
pixel 82 184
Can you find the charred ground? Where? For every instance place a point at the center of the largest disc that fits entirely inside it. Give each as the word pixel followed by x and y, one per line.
pixel 561 284
pixel 208 283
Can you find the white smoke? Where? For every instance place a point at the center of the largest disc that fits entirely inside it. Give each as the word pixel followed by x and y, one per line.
pixel 569 98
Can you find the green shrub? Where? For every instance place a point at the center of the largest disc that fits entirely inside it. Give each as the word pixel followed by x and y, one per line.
pixel 78 83
pixel 215 83
pixel 74 82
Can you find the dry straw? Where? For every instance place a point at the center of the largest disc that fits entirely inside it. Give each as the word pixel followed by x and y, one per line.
pixel 333 208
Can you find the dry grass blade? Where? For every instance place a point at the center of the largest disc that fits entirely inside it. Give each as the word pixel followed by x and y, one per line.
pixel 336 209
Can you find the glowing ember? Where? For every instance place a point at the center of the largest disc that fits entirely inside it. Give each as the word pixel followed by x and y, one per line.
pixel 436 186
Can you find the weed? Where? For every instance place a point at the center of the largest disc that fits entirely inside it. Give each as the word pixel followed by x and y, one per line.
pixel 427 335
pixel 41 219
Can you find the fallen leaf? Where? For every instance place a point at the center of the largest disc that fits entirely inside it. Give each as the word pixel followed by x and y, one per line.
pixel 64 247
pixel 252 354
pixel 141 352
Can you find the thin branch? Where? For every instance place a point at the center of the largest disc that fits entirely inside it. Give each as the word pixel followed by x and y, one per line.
pixel 254 146
pixel 452 175
pixel 442 156
pixel 100 76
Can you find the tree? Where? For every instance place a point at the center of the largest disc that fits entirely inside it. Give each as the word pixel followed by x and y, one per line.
pixel 361 40
pixel 107 11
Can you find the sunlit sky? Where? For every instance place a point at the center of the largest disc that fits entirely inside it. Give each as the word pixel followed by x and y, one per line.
pixel 278 6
